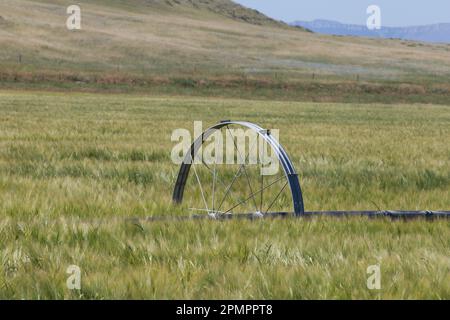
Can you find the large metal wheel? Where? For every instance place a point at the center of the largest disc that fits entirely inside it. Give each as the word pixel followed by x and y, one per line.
pixel 224 189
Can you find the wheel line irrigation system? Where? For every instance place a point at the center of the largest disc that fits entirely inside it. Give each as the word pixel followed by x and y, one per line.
pixel 291 180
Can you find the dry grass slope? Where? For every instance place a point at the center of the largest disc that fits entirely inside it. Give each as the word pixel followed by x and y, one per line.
pixel 197 39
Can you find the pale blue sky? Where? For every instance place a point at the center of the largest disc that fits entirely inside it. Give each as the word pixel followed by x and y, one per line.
pixel 393 12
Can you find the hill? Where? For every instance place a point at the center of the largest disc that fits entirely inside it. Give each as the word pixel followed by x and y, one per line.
pixel 193 42
pixel 224 8
pixel 429 33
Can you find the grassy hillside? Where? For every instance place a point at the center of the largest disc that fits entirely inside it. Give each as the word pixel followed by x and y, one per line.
pixel 201 43
pixel 76 169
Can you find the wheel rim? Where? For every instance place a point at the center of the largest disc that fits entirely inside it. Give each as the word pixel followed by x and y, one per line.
pixel 217 189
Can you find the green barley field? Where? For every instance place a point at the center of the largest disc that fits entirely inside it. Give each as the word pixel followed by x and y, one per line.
pixel 79 173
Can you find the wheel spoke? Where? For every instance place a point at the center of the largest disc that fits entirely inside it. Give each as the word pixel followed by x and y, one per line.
pixel 279 193
pixel 252 195
pixel 243 165
pixel 262 191
pixel 204 210
pixel 262 183
pixel 218 179
pixel 214 186
pixel 229 187
pixel 200 184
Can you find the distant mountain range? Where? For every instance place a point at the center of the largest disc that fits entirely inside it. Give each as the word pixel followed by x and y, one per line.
pixel 429 33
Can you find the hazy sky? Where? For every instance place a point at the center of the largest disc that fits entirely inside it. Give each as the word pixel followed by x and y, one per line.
pixel 393 12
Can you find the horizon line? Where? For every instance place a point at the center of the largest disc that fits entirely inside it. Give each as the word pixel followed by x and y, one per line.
pixel 356 24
